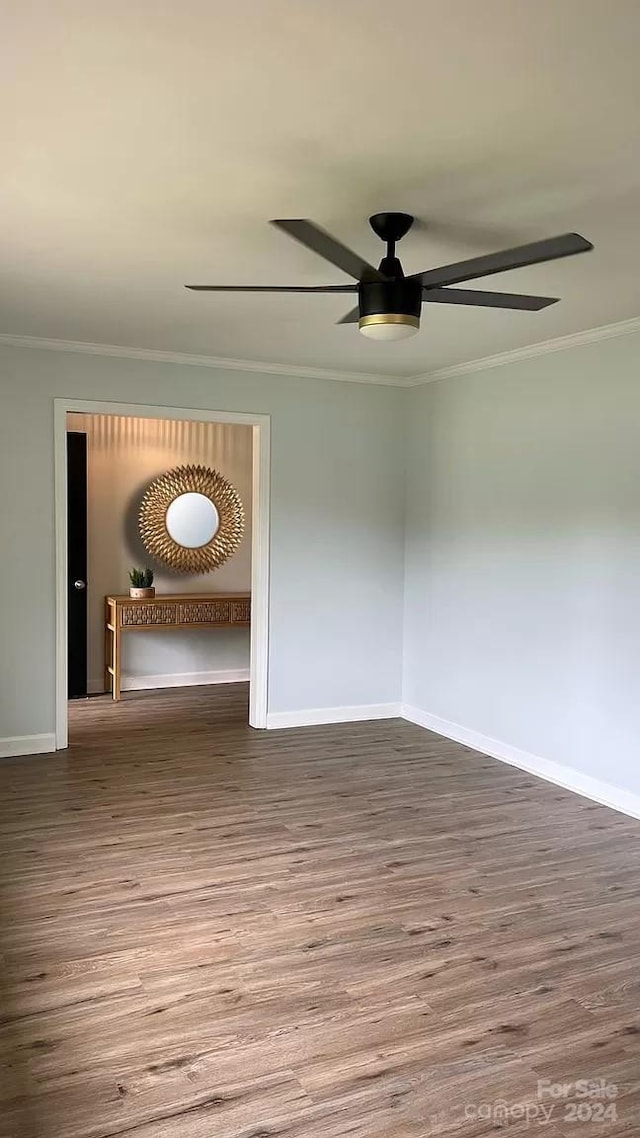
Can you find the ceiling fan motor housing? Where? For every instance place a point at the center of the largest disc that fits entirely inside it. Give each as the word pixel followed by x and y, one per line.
pixel 390 302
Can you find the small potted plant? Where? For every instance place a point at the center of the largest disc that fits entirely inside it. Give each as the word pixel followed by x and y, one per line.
pixel 141 584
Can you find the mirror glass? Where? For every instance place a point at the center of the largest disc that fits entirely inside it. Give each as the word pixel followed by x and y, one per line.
pixel 192 520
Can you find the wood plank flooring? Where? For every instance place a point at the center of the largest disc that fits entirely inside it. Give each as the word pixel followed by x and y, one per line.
pixel 362 930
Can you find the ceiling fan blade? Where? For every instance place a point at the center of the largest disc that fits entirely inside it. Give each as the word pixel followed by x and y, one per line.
pixel 487 299
pixel 273 288
pixel 533 254
pixel 351 317
pixel 321 242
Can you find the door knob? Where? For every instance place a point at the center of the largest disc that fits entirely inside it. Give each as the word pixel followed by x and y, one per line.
pixel 79 585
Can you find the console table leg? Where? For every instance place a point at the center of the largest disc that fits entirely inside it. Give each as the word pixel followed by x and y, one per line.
pixel 116 663
pixel 108 651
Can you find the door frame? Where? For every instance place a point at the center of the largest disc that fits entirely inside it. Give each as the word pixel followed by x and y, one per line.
pixel 260 539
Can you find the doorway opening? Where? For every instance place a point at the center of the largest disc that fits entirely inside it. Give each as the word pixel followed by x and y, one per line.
pixel 201 629
pixel 77 522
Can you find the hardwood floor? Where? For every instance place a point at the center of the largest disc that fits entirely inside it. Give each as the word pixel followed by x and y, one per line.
pixel 363 930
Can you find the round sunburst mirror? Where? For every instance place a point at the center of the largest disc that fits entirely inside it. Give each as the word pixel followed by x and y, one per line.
pixel 191 519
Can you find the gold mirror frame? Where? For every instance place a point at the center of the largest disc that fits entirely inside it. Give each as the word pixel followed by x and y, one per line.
pixel 153 513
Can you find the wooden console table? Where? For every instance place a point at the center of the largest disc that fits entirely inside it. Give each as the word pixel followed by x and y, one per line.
pixel 165 612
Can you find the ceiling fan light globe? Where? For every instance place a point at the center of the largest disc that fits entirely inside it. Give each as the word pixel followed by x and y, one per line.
pixel 387 326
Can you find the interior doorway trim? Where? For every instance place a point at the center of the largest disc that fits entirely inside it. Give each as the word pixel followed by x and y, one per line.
pixel 260 538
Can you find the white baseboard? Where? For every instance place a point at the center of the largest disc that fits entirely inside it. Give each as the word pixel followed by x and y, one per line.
pixel 567 777
pixel 315 716
pixel 175 680
pixel 27 745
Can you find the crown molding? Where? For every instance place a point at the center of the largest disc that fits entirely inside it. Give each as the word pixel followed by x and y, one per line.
pixel 530 351
pixel 218 362
pixel 559 344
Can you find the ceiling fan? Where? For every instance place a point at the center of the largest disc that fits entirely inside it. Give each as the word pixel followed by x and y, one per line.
pixel 389 304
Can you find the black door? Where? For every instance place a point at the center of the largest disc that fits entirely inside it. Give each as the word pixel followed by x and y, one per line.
pixel 77 561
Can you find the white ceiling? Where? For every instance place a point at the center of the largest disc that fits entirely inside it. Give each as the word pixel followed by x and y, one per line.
pixel 147 142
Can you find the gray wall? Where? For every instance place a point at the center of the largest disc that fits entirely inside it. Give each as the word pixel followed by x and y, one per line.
pixel 337 547
pixel 522 600
pixel 522 586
